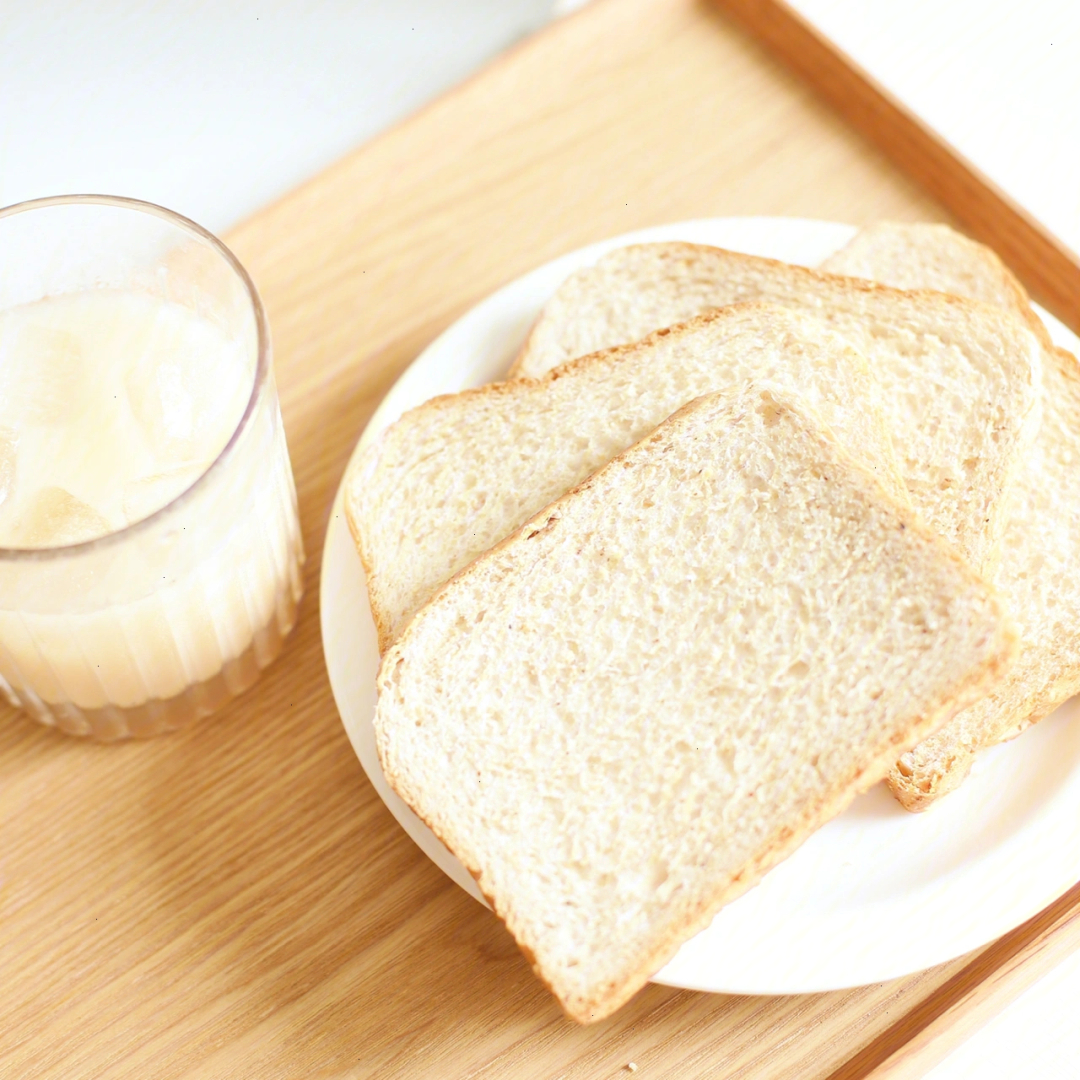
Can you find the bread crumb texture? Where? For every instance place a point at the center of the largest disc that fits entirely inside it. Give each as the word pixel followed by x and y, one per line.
pixel 1036 574
pixel 1037 581
pixel 959 379
pixel 625 713
pixel 452 478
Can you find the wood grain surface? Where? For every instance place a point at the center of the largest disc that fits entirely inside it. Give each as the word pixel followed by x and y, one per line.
pixel 1049 269
pixel 233 900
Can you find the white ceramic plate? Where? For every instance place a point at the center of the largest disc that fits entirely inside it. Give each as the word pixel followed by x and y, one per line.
pixel 878 892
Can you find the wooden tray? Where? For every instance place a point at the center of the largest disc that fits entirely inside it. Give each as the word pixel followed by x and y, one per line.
pixel 234 900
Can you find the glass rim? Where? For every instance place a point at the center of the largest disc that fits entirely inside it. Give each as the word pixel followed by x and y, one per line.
pixel 262 371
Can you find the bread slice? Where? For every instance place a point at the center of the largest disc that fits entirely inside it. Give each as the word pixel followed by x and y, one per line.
pixel 452 478
pixel 626 713
pixel 927 256
pixel 960 379
pixel 1037 574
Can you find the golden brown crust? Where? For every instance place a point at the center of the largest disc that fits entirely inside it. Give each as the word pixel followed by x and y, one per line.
pixel 687 254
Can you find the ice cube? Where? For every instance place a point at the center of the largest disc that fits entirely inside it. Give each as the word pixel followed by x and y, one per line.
pixel 183 389
pixel 177 403
pixel 149 493
pixel 9 442
pixel 53 517
pixel 43 377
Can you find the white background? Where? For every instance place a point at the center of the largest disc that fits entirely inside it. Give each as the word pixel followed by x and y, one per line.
pixel 999 79
pixel 216 109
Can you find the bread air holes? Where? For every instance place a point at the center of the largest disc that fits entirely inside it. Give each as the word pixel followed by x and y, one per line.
pixel 798 671
pixel 798 605
pixel 658 873
pixel 725 758
pixel 769 409
pixel 916 617
pixel 556 808
pixel 609 768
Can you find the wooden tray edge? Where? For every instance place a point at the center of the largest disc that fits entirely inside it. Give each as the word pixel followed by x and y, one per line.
pixel 979 991
pixel 1042 262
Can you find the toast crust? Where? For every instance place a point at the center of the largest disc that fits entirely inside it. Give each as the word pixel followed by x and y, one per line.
pixel 682 252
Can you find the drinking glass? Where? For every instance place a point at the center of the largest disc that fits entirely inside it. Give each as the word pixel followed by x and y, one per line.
pixel 147 627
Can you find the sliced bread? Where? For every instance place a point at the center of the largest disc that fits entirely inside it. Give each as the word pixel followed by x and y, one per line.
pixel 960 379
pixel 1037 573
pixel 452 478
pixel 627 712
pixel 928 256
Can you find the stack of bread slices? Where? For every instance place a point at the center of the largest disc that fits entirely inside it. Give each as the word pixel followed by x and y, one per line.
pixel 733 541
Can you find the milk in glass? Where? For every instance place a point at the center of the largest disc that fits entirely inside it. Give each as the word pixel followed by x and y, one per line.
pixel 113 403
pixel 149 545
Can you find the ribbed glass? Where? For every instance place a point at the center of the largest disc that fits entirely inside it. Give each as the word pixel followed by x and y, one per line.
pixel 144 629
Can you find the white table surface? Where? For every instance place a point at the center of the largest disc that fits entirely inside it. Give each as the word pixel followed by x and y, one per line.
pixel 215 110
